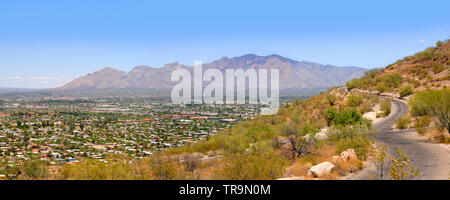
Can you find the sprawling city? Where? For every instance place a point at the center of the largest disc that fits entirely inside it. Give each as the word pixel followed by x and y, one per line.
pixel 61 131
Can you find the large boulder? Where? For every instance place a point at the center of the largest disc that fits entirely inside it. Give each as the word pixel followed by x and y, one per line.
pixel 321 169
pixel 349 154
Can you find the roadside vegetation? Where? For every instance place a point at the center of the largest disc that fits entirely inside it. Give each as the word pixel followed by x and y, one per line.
pixel 403 122
pixel 422 79
pixel 431 112
pixel 398 167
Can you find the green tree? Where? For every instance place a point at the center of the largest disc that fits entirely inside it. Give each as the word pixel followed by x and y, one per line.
pixel 330 115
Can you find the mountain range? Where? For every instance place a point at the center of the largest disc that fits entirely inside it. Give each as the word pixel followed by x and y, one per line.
pixel 293 74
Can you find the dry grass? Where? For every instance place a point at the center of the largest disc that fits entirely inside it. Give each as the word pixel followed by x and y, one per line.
pixel 345 167
pixel 206 169
pixel 438 136
pixel 325 153
pixel 298 169
pixel 331 176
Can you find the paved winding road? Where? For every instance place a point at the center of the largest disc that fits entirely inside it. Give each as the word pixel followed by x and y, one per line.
pixel 432 160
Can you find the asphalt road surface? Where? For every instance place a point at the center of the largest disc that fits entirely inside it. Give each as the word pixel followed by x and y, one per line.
pixel 431 159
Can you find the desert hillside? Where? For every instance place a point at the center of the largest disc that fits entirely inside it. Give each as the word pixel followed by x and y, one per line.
pixel 424 70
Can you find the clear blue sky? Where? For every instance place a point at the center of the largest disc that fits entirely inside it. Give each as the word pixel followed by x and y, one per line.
pixel 46 43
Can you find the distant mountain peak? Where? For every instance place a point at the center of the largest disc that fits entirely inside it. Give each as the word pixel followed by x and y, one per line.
pixel 172 64
pixel 293 74
pixel 108 69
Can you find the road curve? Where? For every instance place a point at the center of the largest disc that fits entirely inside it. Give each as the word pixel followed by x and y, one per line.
pixel 432 160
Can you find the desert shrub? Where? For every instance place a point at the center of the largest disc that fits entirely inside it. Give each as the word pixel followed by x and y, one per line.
pixel 352 137
pixel 433 103
pixel 343 167
pixel 415 83
pixel 162 168
pixel 354 100
pixel 385 106
pixel 339 132
pixel 309 159
pixel 361 145
pixel 438 67
pixel 381 87
pixel 406 90
pixel 366 81
pixel 354 83
pixel 401 168
pixel 236 144
pixel 425 55
pixel 380 160
pixel 403 122
pixel 34 169
pixel 371 73
pixel 348 117
pixel 296 102
pixel 365 107
pixel 93 169
pixel 331 98
pixel 191 162
pixel 252 166
pixel 213 143
pixel 422 123
pixel 298 145
pixel 392 80
pixel 330 114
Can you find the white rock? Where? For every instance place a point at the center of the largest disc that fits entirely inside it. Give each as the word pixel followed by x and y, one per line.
pixel 321 169
pixel 322 135
pixel 349 154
